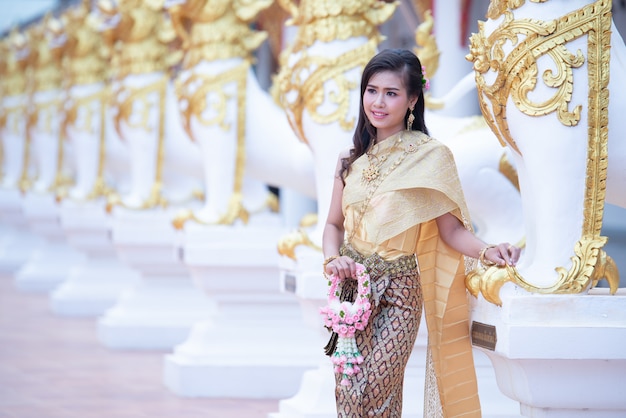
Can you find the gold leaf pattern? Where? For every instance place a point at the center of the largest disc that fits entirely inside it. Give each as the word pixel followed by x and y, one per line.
pixel 516 78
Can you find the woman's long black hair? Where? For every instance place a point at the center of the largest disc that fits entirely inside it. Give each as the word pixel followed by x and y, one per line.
pixel 408 67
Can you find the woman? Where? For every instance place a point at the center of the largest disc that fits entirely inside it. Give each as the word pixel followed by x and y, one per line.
pixel 396 196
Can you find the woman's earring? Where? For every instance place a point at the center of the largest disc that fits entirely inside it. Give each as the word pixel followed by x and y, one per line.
pixel 410 119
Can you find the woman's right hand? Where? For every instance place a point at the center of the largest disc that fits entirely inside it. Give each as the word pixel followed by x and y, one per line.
pixel 342 266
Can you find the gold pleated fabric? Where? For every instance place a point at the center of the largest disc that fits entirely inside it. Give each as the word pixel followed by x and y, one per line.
pixel 446 306
pixel 398 220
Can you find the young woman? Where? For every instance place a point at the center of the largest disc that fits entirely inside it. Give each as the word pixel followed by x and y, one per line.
pixel 397 201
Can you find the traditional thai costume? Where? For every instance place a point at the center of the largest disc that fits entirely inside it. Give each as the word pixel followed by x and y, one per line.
pixel 390 202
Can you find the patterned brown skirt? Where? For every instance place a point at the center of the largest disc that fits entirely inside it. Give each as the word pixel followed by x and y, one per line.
pixel 387 341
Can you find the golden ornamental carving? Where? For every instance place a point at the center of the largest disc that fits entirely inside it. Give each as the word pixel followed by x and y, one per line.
pixel 86 57
pixel 25 182
pixel 124 99
pixel 428 52
pixel 288 243
pixel 499 7
pixel 4 53
pixel 302 87
pixel 516 77
pixel 46 60
pixel 142 39
pixel 15 64
pixel 217 29
pixel 12 116
pixel 235 210
pixel 193 92
pixel 329 20
pixel 48 111
pixel 102 98
pixel 427 49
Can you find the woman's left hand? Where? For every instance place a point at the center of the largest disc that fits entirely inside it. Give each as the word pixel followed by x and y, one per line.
pixel 503 254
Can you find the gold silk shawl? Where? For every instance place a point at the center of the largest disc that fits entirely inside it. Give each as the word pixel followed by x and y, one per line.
pixel 423 186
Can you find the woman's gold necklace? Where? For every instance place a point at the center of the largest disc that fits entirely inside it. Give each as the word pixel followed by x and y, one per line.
pixel 372 171
pixel 377 179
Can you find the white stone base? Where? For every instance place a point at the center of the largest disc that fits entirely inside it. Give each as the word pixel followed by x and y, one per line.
pixel 17 242
pixel 316 397
pixel 50 264
pixel 92 287
pixel 16 247
pixel 247 358
pixel 95 285
pixel 159 311
pixel 47 267
pixel 559 355
pixel 11 212
pixel 155 314
pixel 257 346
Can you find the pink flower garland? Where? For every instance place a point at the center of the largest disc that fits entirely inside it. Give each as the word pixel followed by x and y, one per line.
pixel 345 319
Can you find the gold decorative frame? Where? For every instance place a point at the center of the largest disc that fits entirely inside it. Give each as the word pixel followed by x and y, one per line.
pixel 517 75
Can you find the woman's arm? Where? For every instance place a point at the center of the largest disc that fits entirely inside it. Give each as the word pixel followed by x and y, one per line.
pixel 458 237
pixel 334 232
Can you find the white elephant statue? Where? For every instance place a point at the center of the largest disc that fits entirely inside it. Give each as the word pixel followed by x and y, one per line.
pixel 542 71
pixel 243 135
pixel 48 149
pixel 165 167
pixel 13 116
pixel 100 155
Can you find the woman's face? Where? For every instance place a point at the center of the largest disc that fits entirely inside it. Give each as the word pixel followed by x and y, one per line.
pixel 385 102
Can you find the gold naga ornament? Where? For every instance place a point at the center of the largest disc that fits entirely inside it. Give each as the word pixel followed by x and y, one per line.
pixel 516 76
pixel 301 86
pixel 141 42
pixel 86 61
pixel 213 30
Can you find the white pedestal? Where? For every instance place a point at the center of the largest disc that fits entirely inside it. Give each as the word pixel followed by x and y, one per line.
pixel 94 285
pixel 50 263
pixel 257 345
pixel 316 397
pixel 17 242
pixel 16 246
pixel 559 356
pixel 157 312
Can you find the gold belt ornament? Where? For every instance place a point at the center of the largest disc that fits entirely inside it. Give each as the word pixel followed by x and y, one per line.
pixel 516 78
